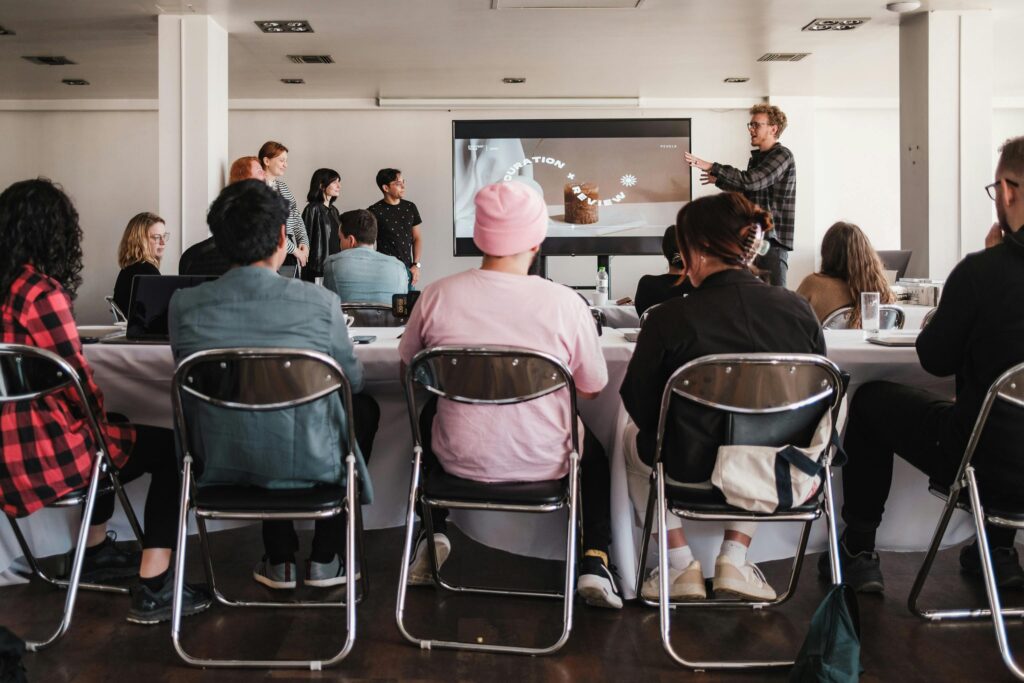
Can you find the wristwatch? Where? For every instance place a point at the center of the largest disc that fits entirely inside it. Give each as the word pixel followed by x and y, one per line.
pixel 418 265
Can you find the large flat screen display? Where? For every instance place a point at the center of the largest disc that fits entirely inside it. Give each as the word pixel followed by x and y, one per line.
pixel 612 186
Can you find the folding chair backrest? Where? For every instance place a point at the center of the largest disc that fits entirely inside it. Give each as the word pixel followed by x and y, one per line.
pixel 28 373
pixel 889 318
pixel 1006 397
pixel 372 315
pixel 755 399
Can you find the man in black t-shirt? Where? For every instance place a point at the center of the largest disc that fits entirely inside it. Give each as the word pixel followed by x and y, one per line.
pixel 398 223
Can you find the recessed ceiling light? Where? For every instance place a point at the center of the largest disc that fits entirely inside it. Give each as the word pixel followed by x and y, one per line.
pixel 284 26
pixel 6 31
pixel 513 79
pixel 293 81
pixel 49 60
pixel 901 7
pixel 736 79
pixel 75 81
pixel 834 24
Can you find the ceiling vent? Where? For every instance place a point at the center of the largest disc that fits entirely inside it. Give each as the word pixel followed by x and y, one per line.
pixel 736 79
pixel 284 26
pixel 566 4
pixel 835 24
pixel 311 59
pixel 293 81
pixel 49 60
pixel 6 31
pixel 75 81
pixel 513 80
pixel 783 56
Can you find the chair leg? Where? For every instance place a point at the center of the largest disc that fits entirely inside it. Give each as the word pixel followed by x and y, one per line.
pixel 76 564
pixel 407 549
pixel 645 541
pixel 929 560
pixel 833 528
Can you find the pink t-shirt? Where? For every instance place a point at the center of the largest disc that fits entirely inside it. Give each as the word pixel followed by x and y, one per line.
pixel 520 442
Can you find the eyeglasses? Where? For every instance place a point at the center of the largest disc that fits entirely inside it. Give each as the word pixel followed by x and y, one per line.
pixel 754 125
pixel 990 189
pixel 165 238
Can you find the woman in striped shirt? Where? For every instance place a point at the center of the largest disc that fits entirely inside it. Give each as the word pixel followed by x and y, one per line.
pixel 274 158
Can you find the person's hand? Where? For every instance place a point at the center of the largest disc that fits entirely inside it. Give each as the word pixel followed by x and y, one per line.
pixel 415 271
pixel 707 179
pixel 302 255
pixel 994 236
pixel 696 162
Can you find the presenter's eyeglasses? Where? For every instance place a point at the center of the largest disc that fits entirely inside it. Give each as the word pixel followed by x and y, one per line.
pixel 164 237
pixel 991 188
pixel 754 125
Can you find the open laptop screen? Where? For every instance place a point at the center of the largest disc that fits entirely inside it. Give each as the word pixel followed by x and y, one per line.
pixel 149 303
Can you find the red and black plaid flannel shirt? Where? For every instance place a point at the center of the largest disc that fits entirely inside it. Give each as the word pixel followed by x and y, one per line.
pixel 48 448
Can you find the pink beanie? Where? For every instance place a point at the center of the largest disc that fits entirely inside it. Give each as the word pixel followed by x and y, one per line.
pixel 510 218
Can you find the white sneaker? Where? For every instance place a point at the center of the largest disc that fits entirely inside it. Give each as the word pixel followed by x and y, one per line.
pixel 683 584
pixel 419 568
pixel 744 582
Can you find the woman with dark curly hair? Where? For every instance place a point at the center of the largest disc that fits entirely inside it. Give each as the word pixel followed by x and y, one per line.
pixel 140 252
pixel 47 448
pixel 322 220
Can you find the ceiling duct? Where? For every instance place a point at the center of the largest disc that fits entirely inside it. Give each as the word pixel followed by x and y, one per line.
pixel 782 56
pixel 49 60
pixel 311 59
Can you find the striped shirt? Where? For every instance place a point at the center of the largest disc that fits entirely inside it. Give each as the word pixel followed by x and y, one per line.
pixel 294 226
pixel 769 182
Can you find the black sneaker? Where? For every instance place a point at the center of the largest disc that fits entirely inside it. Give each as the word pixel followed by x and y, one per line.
pixel 862 572
pixel 597 584
pixel 106 562
pixel 1005 563
pixel 153 607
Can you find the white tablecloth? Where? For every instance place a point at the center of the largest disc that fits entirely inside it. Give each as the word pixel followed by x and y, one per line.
pixel 136 381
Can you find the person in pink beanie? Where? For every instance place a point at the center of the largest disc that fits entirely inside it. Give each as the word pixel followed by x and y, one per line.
pixel 500 304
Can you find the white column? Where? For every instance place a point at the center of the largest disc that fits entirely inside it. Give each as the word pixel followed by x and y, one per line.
pixel 945 136
pixel 193 91
pixel 799 137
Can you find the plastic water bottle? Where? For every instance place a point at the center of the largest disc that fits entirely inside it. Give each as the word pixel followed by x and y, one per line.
pixel 601 293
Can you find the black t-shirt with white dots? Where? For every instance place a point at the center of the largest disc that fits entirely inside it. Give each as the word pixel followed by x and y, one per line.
pixel 394 228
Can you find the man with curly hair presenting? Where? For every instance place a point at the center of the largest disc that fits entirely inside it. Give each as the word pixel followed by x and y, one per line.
pixel 769 182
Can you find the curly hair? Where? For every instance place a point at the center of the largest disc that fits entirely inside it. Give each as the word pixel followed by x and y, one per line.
pixel 39 225
pixel 134 247
pixel 246 221
pixel 847 254
pixel 721 225
pixel 776 117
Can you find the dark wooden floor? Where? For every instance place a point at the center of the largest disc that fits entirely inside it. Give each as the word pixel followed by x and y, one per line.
pixel 604 646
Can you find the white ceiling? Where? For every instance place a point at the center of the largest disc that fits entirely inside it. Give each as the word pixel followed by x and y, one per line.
pixel 463 48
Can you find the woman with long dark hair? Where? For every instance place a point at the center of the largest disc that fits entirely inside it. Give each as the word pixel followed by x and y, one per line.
pixel 322 220
pixel 849 266
pixel 730 310
pixel 47 448
pixel 273 157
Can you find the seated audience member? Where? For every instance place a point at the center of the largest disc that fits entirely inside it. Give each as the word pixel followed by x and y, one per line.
pixel 849 266
pixel 729 311
pixel 654 289
pixel 977 334
pixel 252 306
pixel 321 219
pixel 359 273
pixel 500 305
pixel 47 447
pixel 141 249
pixel 203 258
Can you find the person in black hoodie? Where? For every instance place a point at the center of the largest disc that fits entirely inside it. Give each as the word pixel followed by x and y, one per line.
pixel 730 310
pixel 322 221
pixel 977 333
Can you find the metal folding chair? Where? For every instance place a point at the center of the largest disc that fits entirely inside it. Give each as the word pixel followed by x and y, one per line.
pixel 372 315
pixel 29 374
pixel 1008 388
pixel 263 380
pixel 115 310
pixel 489 376
pixel 647 314
pixel 928 317
pixel 890 317
pixel 766 400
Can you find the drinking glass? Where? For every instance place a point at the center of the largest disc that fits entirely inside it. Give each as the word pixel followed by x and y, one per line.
pixel 869 313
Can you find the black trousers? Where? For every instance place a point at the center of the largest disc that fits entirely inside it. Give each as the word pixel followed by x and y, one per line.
pixel 279 538
pixel 775 264
pixel 595 485
pixel 885 418
pixel 154 454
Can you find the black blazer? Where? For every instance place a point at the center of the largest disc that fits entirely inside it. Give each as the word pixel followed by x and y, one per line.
pixel 732 311
pixel 322 223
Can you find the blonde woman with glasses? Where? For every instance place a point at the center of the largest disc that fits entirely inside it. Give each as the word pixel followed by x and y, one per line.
pixel 142 246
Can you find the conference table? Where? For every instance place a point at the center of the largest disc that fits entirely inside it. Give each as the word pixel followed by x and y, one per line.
pixel 136 381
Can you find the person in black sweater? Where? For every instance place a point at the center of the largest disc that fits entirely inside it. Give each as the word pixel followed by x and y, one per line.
pixel 142 246
pixel 977 333
pixel 729 311
pixel 654 289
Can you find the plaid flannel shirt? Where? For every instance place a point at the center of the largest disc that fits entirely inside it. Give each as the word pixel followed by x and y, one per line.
pixel 769 182
pixel 48 448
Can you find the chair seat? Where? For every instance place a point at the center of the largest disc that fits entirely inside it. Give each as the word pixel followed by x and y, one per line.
pixel 964 503
pixel 256 499
pixel 77 497
pixel 713 500
pixel 443 486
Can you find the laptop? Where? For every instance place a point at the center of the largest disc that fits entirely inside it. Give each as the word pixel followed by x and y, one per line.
pixel 897 260
pixel 148 307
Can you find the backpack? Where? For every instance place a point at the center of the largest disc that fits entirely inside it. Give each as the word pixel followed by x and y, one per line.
pixel 831 651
